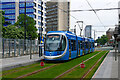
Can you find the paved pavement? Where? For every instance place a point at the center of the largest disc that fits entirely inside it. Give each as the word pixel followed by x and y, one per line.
pixel 104 48
pixel 9 63
pixel 108 68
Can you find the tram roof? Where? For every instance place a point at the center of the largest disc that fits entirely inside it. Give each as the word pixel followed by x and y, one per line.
pixel 65 32
pixel 61 32
pixel 68 33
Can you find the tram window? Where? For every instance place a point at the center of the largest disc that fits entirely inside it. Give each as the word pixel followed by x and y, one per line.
pixel 83 45
pixel 89 44
pixel 93 44
pixel 73 44
pixel 86 44
pixel 79 44
pixel 63 43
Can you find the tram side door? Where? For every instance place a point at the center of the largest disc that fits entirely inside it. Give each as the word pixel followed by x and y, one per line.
pixel 83 43
pixel 88 47
pixel 79 48
pixel 69 49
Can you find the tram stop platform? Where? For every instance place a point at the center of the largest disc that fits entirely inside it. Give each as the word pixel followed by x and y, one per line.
pixel 9 63
pixel 109 67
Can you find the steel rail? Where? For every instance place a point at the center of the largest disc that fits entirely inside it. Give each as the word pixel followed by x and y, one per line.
pixel 43 68
pixel 4 74
pixel 23 76
pixel 92 67
pixel 75 66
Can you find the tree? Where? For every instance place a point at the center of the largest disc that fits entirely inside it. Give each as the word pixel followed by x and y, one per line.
pixel 12 32
pixel 31 30
pixel 102 40
pixel 3 20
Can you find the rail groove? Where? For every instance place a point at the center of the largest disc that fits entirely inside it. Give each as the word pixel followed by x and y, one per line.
pixel 92 67
pixel 75 66
pixel 23 76
pixel 4 74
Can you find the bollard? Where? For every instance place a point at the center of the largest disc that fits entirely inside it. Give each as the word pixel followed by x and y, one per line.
pixel 42 63
pixel 82 65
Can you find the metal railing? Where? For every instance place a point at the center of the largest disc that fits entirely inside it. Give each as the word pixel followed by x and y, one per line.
pixel 19 47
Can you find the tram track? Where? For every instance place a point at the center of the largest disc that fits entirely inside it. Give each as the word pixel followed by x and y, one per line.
pixel 37 71
pixel 18 70
pixel 23 76
pixel 92 67
pixel 4 74
pixel 31 73
pixel 45 68
pixel 75 67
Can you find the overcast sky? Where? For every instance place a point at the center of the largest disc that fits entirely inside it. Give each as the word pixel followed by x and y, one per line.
pixel 108 18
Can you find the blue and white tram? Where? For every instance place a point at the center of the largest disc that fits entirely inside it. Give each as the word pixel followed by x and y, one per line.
pixel 80 46
pixel 86 45
pixel 64 45
pixel 93 45
pixel 90 45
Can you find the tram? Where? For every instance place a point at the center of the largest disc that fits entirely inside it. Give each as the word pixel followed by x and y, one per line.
pixel 65 45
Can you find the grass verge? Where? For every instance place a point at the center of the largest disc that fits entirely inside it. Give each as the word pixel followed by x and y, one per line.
pixel 50 73
pixel 78 72
pixel 57 70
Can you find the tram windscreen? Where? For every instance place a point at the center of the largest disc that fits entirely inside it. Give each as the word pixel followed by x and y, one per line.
pixel 55 42
pixel 52 42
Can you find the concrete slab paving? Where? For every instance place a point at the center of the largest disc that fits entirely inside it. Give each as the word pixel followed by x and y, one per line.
pixel 9 63
pixel 108 68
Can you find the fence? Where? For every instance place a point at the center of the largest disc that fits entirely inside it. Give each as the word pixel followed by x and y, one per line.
pixel 19 47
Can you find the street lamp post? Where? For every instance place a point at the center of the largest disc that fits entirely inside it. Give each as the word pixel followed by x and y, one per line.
pixel 39 40
pixel 25 27
pixel 40 32
pixel 115 35
pixel 81 28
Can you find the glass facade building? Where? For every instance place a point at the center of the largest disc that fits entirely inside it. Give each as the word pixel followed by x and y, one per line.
pixel 34 9
pixel 9 9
